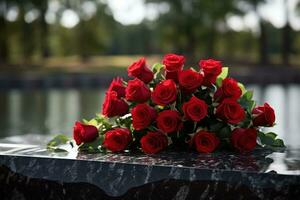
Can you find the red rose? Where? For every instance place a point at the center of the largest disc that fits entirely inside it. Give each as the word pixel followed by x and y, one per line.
pixel 195 109
pixel 190 80
pixel 211 68
pixel 113 106
pixel 243 139
pixel 263 115
pixel 169 121
pixel 230 111
pixel 229 89
pixel 117 86
pixel 117 139
pixel 172 75
pixel 153 142
pixel 173 62
pixel 139 70
pixel 205 142
pixel 137 91
pixel 84 133
pixel 165 92
pixel 142 116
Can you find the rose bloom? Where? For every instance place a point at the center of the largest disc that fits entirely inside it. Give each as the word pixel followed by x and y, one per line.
pixel 84 133
pixel 190 80
pixel 117 86
pixel 263 115
pixel 195 109
pixel 211 68
pixel 117 139
pixel 244 140
pixel 229 89
pixel 169 121
pixel 137 91
pixel 173 62
pixel 205 142
pixel 164 93
pixel 153 142
pixel 230 111
pixel 140 70
pixel 142 116
pixel 172 75
pixel 113 106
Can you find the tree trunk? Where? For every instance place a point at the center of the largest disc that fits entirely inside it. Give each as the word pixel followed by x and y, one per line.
pixel 44 31
pixel 286 45
pixel 263 44
pixel 3 35
pixel 3 41
pixel 286 38
pixel 27 38
pixel 211 43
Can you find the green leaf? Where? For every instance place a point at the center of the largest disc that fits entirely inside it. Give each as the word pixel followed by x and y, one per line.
pixel 271 134
pixel 58 140
pixel 225 132
pixel 224 73
pixel 157 67
pixel 269 140
pixel 215 127
pixel 57 144
pixel 92 122
pixel 92 147
pixel 247 104
pixel 278 143
pixel 219 82
pixel 103 123
pixel 242 87
pixel 248 95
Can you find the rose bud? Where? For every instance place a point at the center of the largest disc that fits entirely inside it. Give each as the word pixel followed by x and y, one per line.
pixel 153 142
pixel 142 116
pixel 113 106
pixel 164 93
pixel 243 139
pixel 212 69
pixel 230 111
pixel 137 91
pixel 190 80
pixel 263 115
pixel 173 62
pixel 229 89
pixel 117 86
pixel 169 121
pixel 195 109
pixel 139 70
pixel 205 142
pixel 117 139
pixel 84 133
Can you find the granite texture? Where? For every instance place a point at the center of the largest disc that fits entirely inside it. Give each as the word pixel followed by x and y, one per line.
pixel 169 175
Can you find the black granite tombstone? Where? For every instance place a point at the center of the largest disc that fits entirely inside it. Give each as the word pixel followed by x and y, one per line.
pixel 31 172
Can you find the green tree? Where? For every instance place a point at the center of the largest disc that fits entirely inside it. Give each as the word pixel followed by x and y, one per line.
pixel 3 32
pixel 189 21
pixel 262 41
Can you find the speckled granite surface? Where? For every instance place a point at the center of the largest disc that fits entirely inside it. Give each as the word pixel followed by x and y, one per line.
pixel 30 171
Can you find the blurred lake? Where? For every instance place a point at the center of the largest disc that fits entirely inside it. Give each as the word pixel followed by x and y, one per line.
pixel 54 111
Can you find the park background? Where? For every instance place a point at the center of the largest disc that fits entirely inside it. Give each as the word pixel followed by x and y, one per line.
pixel 58 56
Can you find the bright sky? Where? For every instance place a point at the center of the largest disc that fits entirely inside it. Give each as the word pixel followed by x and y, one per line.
pixel 135 11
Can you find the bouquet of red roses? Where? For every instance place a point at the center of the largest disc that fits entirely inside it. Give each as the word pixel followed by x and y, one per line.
pixel 172 107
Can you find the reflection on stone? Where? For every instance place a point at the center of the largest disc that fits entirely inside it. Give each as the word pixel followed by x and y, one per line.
pixel 134 175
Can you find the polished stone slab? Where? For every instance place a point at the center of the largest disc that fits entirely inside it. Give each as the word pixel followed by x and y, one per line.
pixel 168 175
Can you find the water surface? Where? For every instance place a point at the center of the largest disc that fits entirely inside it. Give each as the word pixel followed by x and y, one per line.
pixel 55 110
